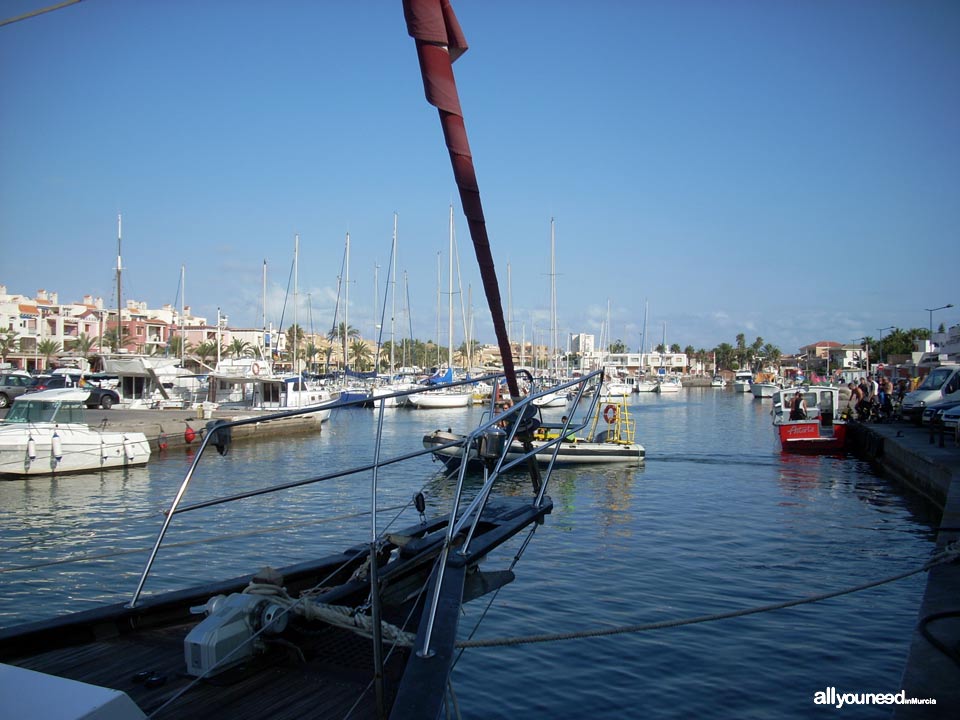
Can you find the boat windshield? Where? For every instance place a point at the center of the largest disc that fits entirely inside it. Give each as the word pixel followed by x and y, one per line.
pixel 936 378
pixel 37 411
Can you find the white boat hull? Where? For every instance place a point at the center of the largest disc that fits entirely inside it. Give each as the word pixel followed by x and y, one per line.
pixel 428 400
pixel 763 390
pixel 741 386
pixel 77 448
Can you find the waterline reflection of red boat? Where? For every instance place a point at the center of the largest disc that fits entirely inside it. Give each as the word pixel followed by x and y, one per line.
pixel 821 431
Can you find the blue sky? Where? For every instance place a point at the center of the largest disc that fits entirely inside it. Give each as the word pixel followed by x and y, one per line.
pixel 789 170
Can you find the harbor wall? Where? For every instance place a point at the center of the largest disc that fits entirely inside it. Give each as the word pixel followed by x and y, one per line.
pixel 927 464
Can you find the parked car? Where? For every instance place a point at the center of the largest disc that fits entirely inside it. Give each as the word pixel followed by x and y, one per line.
pixel 98 397
pixel 934 413
pixel 13 385
pixel 951 417
pixel 943 383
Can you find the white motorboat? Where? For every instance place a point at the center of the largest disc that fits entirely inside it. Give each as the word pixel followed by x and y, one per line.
pixel 764 389
pixel 718 382
pixel 648 385
pixel 45 433
pixel 669 384
pixel 742 380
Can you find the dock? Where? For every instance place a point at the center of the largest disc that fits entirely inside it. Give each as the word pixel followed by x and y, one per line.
pixel 168 429
pixel 926 462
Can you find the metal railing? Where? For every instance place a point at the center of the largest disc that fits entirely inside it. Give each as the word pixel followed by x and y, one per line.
pixel 512 421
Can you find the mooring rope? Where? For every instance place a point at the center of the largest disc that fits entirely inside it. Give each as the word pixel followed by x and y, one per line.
pixel 950 553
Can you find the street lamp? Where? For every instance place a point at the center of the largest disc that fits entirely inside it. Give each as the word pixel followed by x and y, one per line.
pixel 933 310
pixel 881 331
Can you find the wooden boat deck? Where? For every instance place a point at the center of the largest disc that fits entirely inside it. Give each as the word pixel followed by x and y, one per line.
pixel 279 684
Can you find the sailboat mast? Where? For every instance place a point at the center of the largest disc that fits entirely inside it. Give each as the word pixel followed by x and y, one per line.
pixel 450 298
pixel 553 298
pixel 263 336
pixel 346 302
pixel 393 295
pixel 183 313
pixel 438 311
pixel 119 271
pixel 296 327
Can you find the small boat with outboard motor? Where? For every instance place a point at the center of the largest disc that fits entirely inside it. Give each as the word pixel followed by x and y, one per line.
pixel 809 419
pixel 605 435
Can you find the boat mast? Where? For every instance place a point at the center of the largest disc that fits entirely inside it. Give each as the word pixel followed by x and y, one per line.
pixel 450 299
pixel 346 303
pixel 296 328
pixel 183 312
pixel 263 336
pixel 553 299
pixel 438 311
pixel 119 271
pixel 393 295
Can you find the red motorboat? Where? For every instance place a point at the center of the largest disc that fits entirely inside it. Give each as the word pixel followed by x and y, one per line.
pixel 820 430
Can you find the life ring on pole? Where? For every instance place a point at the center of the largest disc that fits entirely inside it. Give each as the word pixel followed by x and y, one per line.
pixel 255 368
pixel 610 414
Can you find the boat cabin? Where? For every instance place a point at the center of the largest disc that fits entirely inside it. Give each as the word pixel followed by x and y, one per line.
pixel 63 406
pixel 822 401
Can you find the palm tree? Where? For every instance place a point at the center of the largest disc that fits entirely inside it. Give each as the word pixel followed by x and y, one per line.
pixel 617 346
pixel 82 344
pixel 310 352
pixel 360 354
pixel 726 354
pixel 205 350
pixel 110 338
pixel 48 348
pixel 8 343
pixel 341 334
pixel 175 346
pixel 239 348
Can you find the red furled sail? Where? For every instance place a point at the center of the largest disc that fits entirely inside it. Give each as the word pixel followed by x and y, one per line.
pixel 440 42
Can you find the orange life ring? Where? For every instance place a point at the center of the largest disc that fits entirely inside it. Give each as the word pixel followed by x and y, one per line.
pixel 256 368
pixel 610 414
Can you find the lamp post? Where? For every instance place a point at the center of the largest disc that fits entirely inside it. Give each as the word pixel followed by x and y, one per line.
pixel 932 311
pixel 881 331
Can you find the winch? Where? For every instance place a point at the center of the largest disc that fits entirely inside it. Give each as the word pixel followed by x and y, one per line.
pixel 231 631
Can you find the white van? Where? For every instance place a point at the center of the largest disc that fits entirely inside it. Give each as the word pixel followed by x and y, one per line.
pixel 943 383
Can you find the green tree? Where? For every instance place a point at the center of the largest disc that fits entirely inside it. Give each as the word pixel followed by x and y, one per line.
pixel 175 346
pixel 48 348
pixel 83 345
pixel 8 344
pixel 340 335
pixel 205 351
pixel 726 356
pixel 310 352
pixel 617 346
pixel 239 348
pixel 110 338
pixel 675 348
pixel 360 355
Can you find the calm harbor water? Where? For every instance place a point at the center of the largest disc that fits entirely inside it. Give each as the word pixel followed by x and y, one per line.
pixel 717 520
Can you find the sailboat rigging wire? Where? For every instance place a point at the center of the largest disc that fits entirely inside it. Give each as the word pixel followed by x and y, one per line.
pixel 283 311
pixel 39 11
pixel 439 42
pixel 949 554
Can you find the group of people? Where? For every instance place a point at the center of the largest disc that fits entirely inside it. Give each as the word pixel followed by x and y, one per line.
pixel 871 395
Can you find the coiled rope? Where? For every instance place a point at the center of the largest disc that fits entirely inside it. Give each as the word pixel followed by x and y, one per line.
pixel 950 553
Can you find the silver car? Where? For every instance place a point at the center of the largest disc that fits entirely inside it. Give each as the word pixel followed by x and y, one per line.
pixel 13 385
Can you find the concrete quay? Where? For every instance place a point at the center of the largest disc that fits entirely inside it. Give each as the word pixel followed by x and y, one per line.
pixel 927 464
pixel 169 427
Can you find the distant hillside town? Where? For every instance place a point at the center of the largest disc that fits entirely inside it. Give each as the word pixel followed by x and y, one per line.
pixel 39 332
